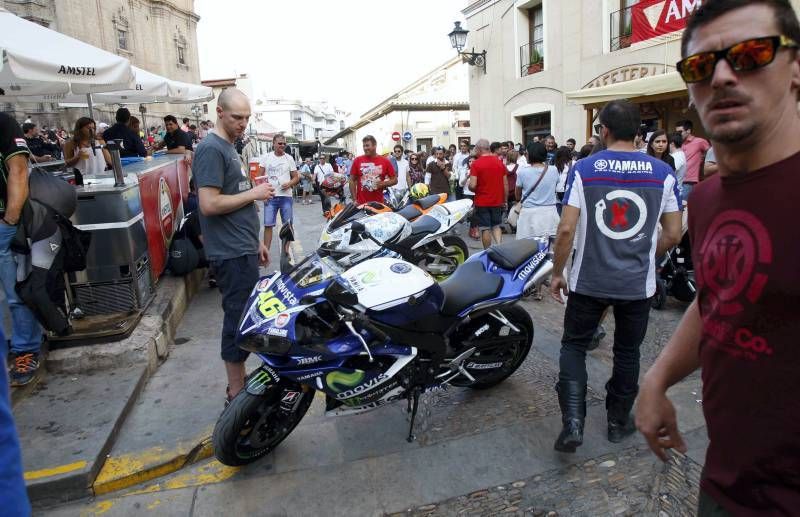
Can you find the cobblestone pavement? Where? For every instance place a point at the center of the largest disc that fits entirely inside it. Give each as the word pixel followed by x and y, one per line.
pixel 529 393
pixel 549 314
pixel 632 482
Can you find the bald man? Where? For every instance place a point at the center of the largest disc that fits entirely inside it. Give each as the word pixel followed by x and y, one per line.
pixel 229 221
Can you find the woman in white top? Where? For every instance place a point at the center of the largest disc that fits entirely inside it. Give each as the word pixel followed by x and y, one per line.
pixel 563 166
pixel 78 150
pixel 538 217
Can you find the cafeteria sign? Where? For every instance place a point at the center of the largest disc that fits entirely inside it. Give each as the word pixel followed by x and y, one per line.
pixel 653 18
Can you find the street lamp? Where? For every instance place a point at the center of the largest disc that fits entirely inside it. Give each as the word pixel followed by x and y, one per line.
pixel 196 111
pixel 458 38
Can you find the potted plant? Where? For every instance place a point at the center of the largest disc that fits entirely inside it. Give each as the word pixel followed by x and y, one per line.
pixel 625 37
pixel 536 63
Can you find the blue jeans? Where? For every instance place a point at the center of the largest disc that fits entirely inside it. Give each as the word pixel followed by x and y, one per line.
pixel 271 208
pixel 686 191
pixel 13 497
pixel 26 334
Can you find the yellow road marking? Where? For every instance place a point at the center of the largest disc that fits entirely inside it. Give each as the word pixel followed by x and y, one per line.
pixel 46 473
pixel 132 469
pixel 212 472
pixel 98 509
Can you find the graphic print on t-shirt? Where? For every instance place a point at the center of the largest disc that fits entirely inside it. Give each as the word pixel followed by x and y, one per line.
pixel 370 176
pixel 736 253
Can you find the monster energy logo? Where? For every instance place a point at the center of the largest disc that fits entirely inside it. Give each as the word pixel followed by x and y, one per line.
pixel 260 377
pixel 338 381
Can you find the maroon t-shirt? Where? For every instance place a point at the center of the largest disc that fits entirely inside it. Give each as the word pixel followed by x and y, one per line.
pixel 746 249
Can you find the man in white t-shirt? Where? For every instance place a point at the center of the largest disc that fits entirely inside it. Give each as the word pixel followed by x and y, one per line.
pixel 281 172
pixel 323 170
pixel 460 156
pixel 401 170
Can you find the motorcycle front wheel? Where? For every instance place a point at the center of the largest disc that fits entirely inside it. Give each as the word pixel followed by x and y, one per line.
pixel 446 259
pixel 253 425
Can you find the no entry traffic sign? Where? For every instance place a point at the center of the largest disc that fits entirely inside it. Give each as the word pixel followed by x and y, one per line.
pixel 396 136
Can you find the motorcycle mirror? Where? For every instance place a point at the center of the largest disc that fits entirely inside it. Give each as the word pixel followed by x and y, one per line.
pixel 357 227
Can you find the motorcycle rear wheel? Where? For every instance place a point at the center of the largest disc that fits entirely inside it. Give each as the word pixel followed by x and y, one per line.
pixel 513 351
pixel 252 426
pixel 454 249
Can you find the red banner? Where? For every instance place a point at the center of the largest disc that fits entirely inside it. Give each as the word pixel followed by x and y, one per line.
pixel 163 191
pixel 652 18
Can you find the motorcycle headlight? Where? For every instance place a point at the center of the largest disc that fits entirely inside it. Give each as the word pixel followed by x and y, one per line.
pixel 265 344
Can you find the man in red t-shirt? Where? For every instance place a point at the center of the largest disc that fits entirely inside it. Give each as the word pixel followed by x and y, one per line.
pixel 370 174
pixel 489 181
pixel 743 327
pixel 695 149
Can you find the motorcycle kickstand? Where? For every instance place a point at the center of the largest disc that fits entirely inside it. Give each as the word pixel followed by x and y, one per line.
pixel 413 408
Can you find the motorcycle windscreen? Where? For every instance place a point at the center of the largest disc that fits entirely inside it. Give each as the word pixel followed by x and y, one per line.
pixel 313 270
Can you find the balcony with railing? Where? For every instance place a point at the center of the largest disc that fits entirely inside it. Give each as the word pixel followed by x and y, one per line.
pixel 531 58
pixel 621 29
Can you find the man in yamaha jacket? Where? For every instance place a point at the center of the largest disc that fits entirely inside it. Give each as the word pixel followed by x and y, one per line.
pixel 613 204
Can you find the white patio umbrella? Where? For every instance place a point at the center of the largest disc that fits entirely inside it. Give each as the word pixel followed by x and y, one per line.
pixel 147 88
pixel 37 61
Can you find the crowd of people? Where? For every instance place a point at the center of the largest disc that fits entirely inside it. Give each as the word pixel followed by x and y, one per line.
pixel 614 206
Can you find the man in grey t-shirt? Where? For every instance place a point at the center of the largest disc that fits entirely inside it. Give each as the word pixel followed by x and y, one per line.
pixel 229 222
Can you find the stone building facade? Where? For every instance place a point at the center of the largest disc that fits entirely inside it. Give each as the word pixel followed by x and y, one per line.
pixel 159 36
pixel 548 60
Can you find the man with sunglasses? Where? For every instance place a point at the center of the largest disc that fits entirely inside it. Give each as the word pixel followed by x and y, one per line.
pixel 743 73
pixel 695 149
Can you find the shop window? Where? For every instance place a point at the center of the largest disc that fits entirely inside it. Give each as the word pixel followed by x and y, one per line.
pixel 531 55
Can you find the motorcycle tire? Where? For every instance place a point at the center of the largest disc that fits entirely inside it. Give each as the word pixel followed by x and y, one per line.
pixel 659 299
pixel 454 247
pixel 522 320
pixel 243 417
pixel 684 288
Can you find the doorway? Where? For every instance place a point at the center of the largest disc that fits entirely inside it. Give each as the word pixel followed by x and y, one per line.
pixel 424 145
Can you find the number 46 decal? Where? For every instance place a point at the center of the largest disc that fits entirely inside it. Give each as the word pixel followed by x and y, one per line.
pixel 269 305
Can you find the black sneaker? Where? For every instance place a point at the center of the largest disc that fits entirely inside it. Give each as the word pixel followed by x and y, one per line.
pixel 24 369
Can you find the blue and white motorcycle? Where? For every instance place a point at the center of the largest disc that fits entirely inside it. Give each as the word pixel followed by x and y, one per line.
pixel 376 333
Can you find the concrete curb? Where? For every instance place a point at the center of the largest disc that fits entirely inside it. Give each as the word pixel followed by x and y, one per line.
pixel 107 482
pixel 147 345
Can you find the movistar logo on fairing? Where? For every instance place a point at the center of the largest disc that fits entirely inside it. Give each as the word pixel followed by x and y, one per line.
pixel 288 295
pixel 531 266
pixel 338 381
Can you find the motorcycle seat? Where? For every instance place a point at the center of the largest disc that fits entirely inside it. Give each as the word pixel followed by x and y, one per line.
pixel 409 212
pixel 425 224
pixel 469 284
pixel 511 255
pixel 427 201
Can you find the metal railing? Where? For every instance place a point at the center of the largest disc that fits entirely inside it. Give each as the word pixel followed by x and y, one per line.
pixel 621 28
pixel 531 59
